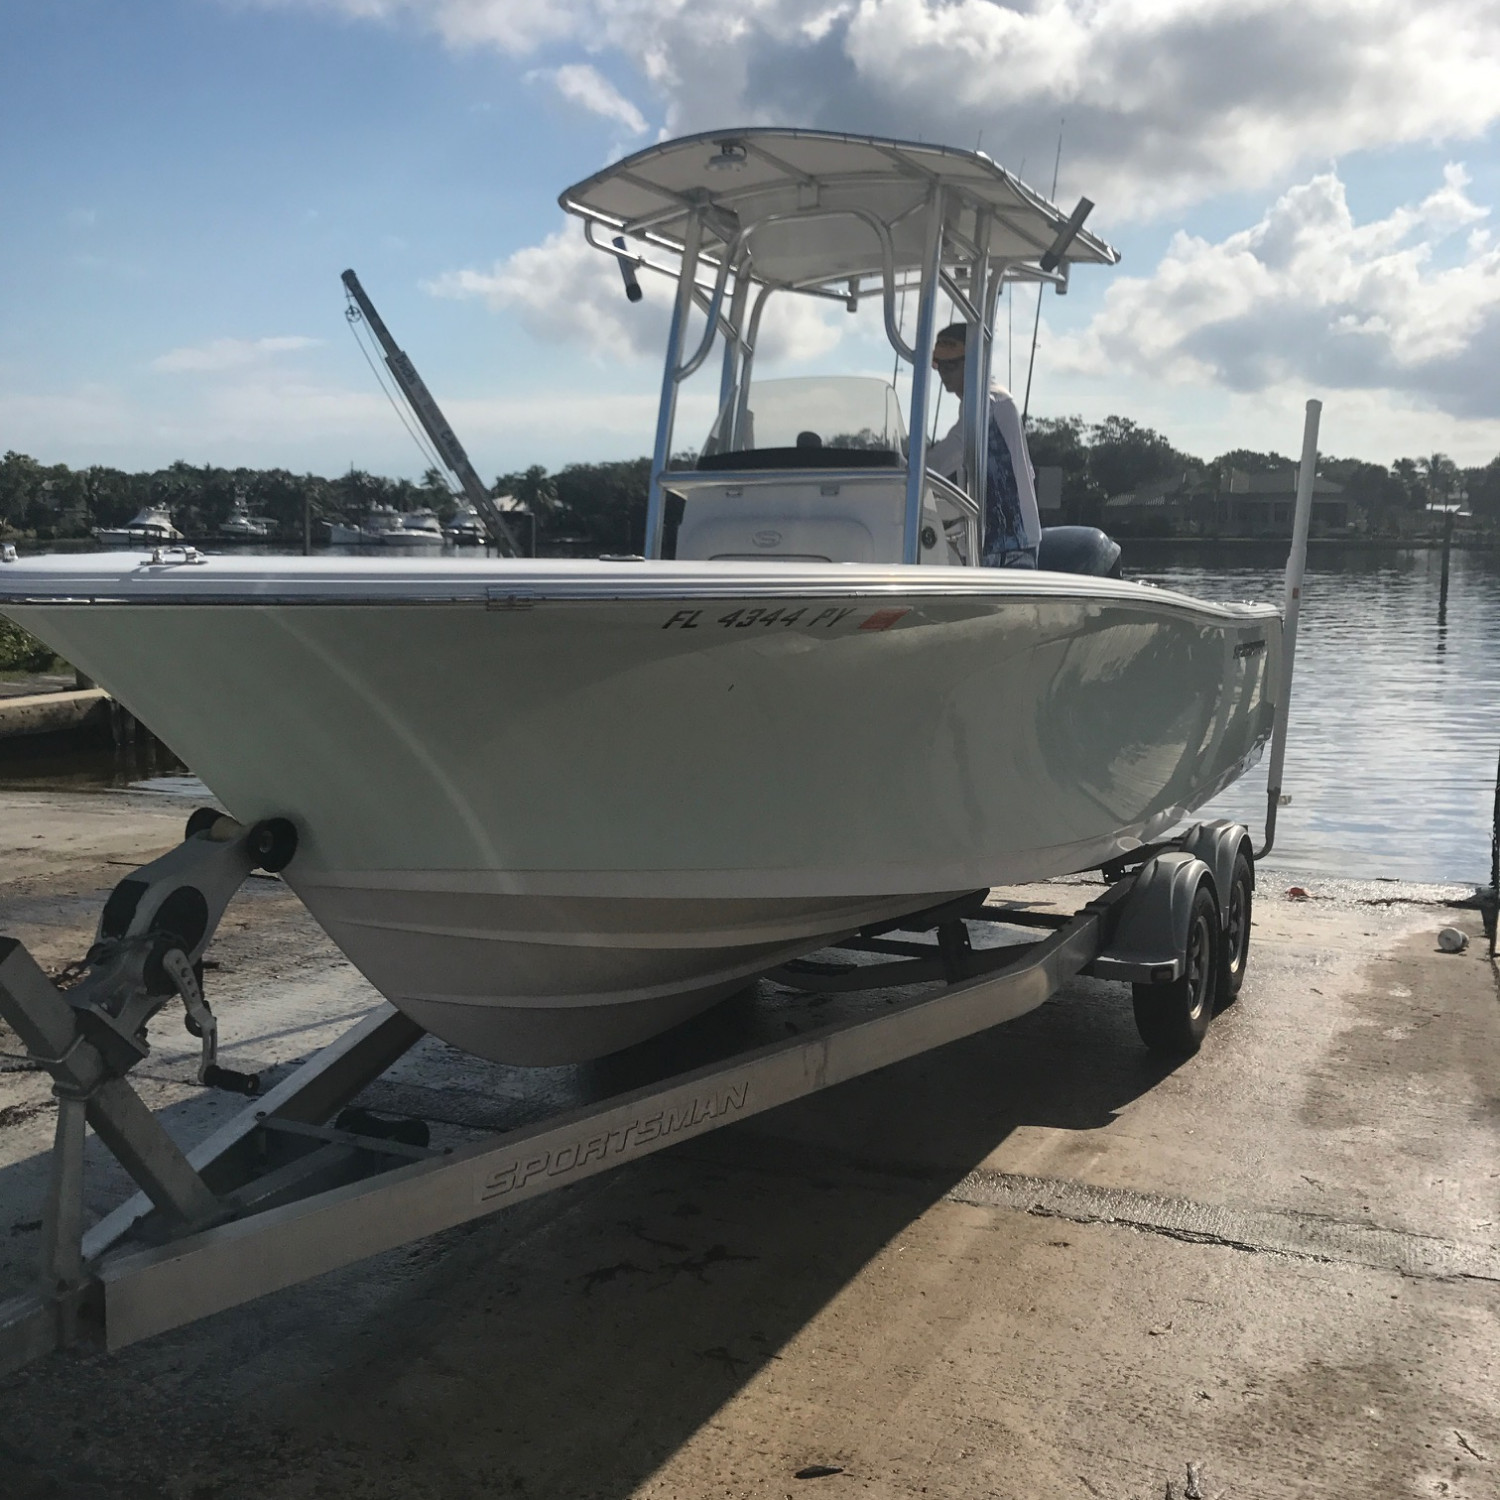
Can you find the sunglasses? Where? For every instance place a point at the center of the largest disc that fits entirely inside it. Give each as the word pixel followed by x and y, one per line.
pixel 938 363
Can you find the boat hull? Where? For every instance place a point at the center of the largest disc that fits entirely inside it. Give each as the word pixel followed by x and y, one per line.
pixel 566 808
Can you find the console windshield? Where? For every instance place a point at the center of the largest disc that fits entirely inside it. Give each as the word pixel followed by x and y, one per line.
pixel 848 413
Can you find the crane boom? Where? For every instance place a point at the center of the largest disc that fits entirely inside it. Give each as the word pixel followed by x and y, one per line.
pixel 434 423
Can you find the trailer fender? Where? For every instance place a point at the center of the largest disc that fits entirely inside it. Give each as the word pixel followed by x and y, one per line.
pixel 1150 934
pixel 1218 844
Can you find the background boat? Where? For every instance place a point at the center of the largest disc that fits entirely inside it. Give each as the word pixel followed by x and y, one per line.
pixel 415 528
pixel 150 527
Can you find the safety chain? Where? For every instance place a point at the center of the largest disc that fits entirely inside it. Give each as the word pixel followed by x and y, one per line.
pixel 69 975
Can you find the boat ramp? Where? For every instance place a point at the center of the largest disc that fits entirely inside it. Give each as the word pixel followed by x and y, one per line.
pixel 1040 1261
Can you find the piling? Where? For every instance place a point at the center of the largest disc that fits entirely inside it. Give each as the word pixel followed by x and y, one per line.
pixel 1296 565
pixel 122 724
pixel 1443 585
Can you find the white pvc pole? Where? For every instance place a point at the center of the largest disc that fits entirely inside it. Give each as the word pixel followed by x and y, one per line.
pixel 1296 565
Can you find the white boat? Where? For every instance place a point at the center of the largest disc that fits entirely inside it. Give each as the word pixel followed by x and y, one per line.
pixel 150 527
pixel 241 525
pixel 552 808
pixel 371 532
pixel 416 528
pixel 466 529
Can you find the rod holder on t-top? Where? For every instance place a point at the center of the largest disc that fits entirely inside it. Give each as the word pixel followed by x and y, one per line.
pixel 1296 565
pixel 1066 235
pixel 633 291
pixel 430 415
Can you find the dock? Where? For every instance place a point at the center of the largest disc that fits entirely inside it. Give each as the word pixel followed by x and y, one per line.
pixel 24 714
pixel 1038 1263
pixel 53 706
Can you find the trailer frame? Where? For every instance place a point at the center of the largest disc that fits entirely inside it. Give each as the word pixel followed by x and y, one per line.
pixel 279 1194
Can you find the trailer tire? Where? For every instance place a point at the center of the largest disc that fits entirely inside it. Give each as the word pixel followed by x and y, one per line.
pixel 1172 1018
pixel 1236 943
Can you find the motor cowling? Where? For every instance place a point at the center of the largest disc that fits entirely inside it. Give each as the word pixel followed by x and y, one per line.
pixel 1078 549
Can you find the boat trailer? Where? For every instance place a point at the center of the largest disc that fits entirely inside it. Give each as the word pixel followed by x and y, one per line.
pixel 304 1181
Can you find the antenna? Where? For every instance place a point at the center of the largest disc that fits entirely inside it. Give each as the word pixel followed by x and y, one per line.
pixel 1010 318
pixel 1037 321
pixel 1010 338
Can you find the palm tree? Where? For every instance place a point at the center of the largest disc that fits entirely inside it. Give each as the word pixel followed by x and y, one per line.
pixel 1440 478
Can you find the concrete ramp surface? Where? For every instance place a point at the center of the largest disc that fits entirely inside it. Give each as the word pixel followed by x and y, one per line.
pixel 1037 1263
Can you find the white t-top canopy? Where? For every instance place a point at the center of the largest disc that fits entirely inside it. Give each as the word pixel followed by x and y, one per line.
pixel 806 200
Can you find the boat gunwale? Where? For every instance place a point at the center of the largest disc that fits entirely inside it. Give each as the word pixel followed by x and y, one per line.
pixel 503 597
pixel 131 578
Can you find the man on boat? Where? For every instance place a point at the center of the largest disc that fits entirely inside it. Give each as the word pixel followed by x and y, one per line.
pixel 1012 523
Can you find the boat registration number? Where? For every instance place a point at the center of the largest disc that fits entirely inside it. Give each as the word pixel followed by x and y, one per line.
pixel 803 616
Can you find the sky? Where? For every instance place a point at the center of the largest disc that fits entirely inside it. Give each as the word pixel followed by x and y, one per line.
pixel 1303 195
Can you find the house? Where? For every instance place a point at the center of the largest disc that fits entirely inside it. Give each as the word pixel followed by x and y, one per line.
pixel 1189 504
pixel 1179 505
pixel 1263 504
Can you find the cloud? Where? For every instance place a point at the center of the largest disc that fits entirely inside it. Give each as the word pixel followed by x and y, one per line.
pixel 1166 101
pixel 582 85
pixel 227 354
pixel 260 420
pixel 564 289
pixel 1406 303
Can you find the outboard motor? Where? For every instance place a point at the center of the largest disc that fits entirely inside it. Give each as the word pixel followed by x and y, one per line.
pixel 1078 549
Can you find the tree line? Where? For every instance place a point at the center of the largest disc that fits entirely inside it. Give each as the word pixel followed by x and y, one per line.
pixel 582 506
pixel 1117 456
pixel 586 509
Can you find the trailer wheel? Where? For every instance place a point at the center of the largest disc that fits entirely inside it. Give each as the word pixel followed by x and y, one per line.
pixel 1172 1018
pixel 1236 932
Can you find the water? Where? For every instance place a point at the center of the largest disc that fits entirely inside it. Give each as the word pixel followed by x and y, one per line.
pixel 1395 720
pixel 88 763
pixel 1395 723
